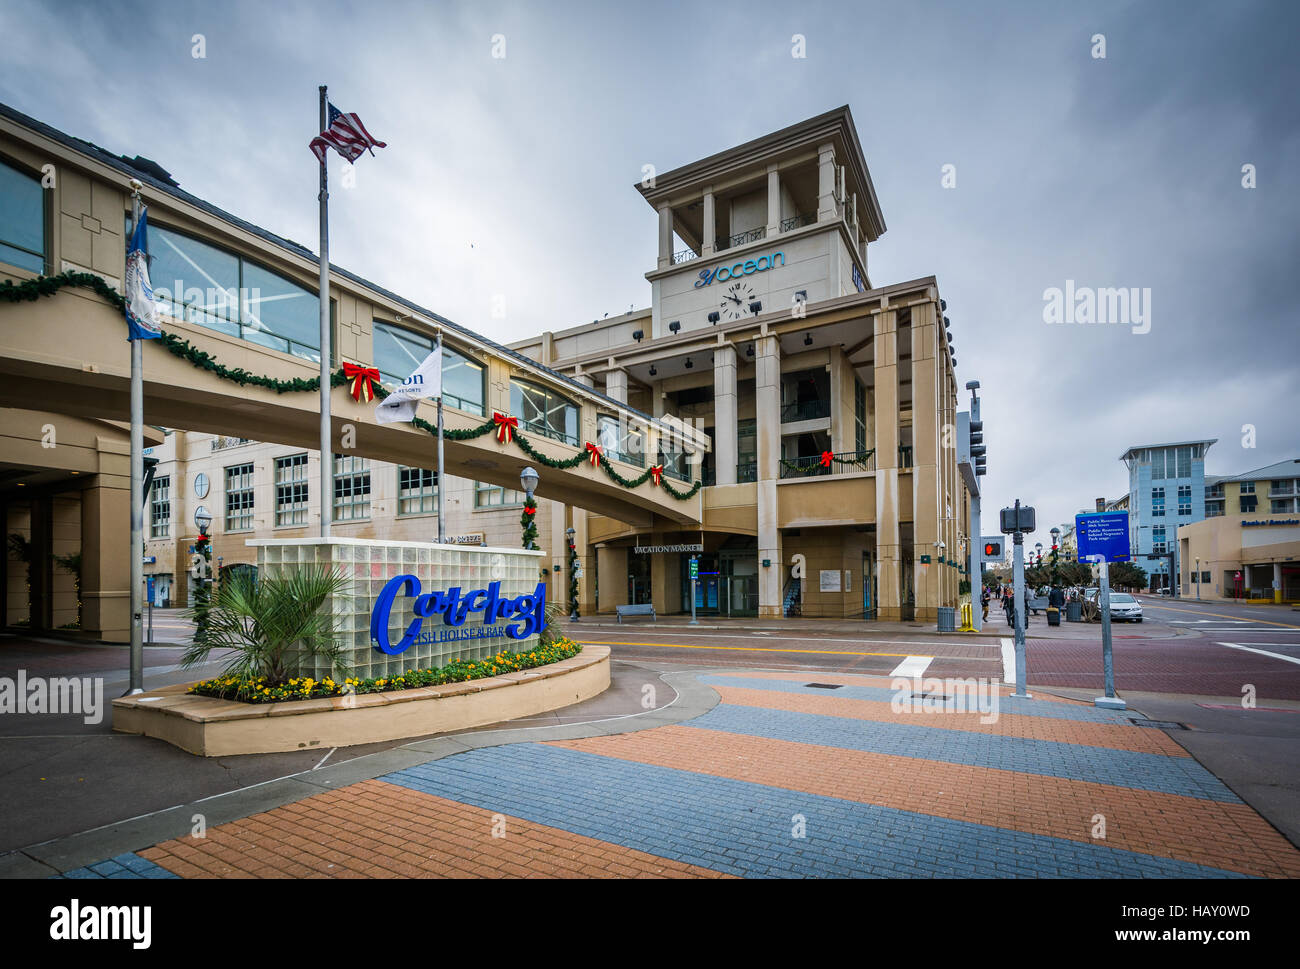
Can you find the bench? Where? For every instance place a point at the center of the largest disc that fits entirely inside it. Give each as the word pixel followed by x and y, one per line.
pixel 645 609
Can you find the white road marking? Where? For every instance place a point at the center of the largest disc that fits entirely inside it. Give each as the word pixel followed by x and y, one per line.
pixel 325 758
pixel 912 666
pixel 1262 652
pixel 1009 661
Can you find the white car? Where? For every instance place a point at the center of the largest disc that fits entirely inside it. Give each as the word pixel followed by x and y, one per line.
pixel 1124 607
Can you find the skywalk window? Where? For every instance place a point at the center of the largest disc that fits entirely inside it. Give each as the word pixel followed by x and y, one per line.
pixel 22 220
pixel 398 352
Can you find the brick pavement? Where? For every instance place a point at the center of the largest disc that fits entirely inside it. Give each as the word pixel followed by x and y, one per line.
pixel 779 780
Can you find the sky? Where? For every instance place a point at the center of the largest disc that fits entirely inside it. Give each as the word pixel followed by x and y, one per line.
pixel 513 177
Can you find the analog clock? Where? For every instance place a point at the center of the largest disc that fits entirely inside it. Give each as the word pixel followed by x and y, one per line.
pixel 735 301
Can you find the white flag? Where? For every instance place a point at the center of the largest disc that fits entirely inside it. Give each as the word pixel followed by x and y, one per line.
pixel 425 383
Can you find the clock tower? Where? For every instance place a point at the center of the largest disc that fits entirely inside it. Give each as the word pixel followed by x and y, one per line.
pixel 769 225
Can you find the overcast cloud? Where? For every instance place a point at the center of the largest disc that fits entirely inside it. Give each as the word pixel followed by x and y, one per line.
pixel 515 176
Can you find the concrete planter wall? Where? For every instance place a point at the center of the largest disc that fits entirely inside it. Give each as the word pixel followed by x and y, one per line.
pixel 220 728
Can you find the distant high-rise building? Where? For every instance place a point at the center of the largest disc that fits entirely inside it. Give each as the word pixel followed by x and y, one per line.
pixel 1166 487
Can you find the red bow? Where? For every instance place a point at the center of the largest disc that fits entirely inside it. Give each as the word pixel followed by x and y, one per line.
pixel 657 473
pixel 826 459
pixel 361 378
pixel 596 453
pixel 530 511
pixel 506 427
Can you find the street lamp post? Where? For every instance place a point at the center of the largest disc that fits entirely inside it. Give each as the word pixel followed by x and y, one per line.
pixel 573 575
pixel 528 478
pixel 1198 578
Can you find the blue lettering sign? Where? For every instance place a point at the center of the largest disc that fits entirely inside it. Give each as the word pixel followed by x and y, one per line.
pixel 722 273
pixel 517 618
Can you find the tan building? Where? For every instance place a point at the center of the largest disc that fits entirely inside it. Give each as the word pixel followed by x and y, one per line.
pixel 797 410
pixel 1248 546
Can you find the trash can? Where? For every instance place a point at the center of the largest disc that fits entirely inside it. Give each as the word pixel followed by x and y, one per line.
pixel 1053 616
pixel 1074 611
pixel 947 619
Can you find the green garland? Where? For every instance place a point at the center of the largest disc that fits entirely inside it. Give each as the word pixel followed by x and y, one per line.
pixel 33 289
pixel 798 465
pixel 528 522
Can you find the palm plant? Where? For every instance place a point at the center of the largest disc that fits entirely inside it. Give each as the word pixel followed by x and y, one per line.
pixel 272 625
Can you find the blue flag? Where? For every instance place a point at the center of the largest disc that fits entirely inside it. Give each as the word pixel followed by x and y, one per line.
pixel 141 313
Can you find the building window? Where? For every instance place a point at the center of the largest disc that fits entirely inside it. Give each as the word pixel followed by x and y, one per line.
pixel 160 506
pixel 1184 462
pixel 494 496
pixel 1157 465
pixel 1158 541
pixel 351 488
pixel 22 220
pixel 399 352
pixel 1248 504
pixel 291 490
pixel 1184 499
pixel 544 411
pixel 620 440
pixel 239 498
pixel 417 491
pixel 1283 506
pixel 222 291
pixel 1157 502
pixel 1247 487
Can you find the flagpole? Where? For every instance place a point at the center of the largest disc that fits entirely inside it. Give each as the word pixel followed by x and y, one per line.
pixel 442 505
pixel 326 447
pixel 136 547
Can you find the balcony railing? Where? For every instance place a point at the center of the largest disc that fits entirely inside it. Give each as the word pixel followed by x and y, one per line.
pixel 1283 491
pixel 806 410
pixel 686 255
pixel 904 456
pixel 741 238
pixel 798 221
pixel 842 463
pixel 747 468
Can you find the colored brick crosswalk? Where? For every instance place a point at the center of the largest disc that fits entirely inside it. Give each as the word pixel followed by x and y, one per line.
pixel 781 779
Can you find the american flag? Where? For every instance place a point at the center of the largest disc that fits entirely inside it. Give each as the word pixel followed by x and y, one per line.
pixel 346 135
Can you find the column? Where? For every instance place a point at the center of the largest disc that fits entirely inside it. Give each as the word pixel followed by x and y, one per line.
pixel 885 397
pixel 709 231
pixel 927 464
pixel 587 558
pixel 826 209
pixel 767 412
pixel 666 580
pixel 558 554
pixel 612 565
pixel 724 414
pixel 105 569
pixel 665 235
pixel 616 385
pixel 773 201
pixel 1277 581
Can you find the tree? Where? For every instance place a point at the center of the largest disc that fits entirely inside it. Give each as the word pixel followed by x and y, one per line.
pixel 1126 575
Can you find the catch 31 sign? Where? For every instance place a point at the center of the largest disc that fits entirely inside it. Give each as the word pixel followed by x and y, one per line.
pixel 516 618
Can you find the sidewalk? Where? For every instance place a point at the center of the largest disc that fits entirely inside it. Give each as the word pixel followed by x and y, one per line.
pixel 747 773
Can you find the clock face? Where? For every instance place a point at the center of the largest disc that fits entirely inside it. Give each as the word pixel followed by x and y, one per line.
pixel 735 301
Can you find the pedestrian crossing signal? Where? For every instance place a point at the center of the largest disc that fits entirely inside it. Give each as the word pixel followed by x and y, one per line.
pixel 992 549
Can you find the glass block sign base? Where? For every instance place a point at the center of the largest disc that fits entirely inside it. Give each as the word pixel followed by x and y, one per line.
pixel 369 566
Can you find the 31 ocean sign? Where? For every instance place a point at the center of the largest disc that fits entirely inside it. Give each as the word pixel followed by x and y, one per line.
pixel 514 618
pixel 1105 534
pixel 721 273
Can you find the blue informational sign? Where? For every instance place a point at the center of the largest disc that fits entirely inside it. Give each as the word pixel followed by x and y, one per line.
pixel 516 618
pixel 1105 534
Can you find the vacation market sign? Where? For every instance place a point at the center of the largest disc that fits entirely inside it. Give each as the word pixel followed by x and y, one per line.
pixel 516 618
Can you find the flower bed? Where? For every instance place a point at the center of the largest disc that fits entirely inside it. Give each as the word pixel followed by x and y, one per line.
pixel 255 690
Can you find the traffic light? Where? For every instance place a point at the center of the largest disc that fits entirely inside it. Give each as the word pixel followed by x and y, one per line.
pixel 977 449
